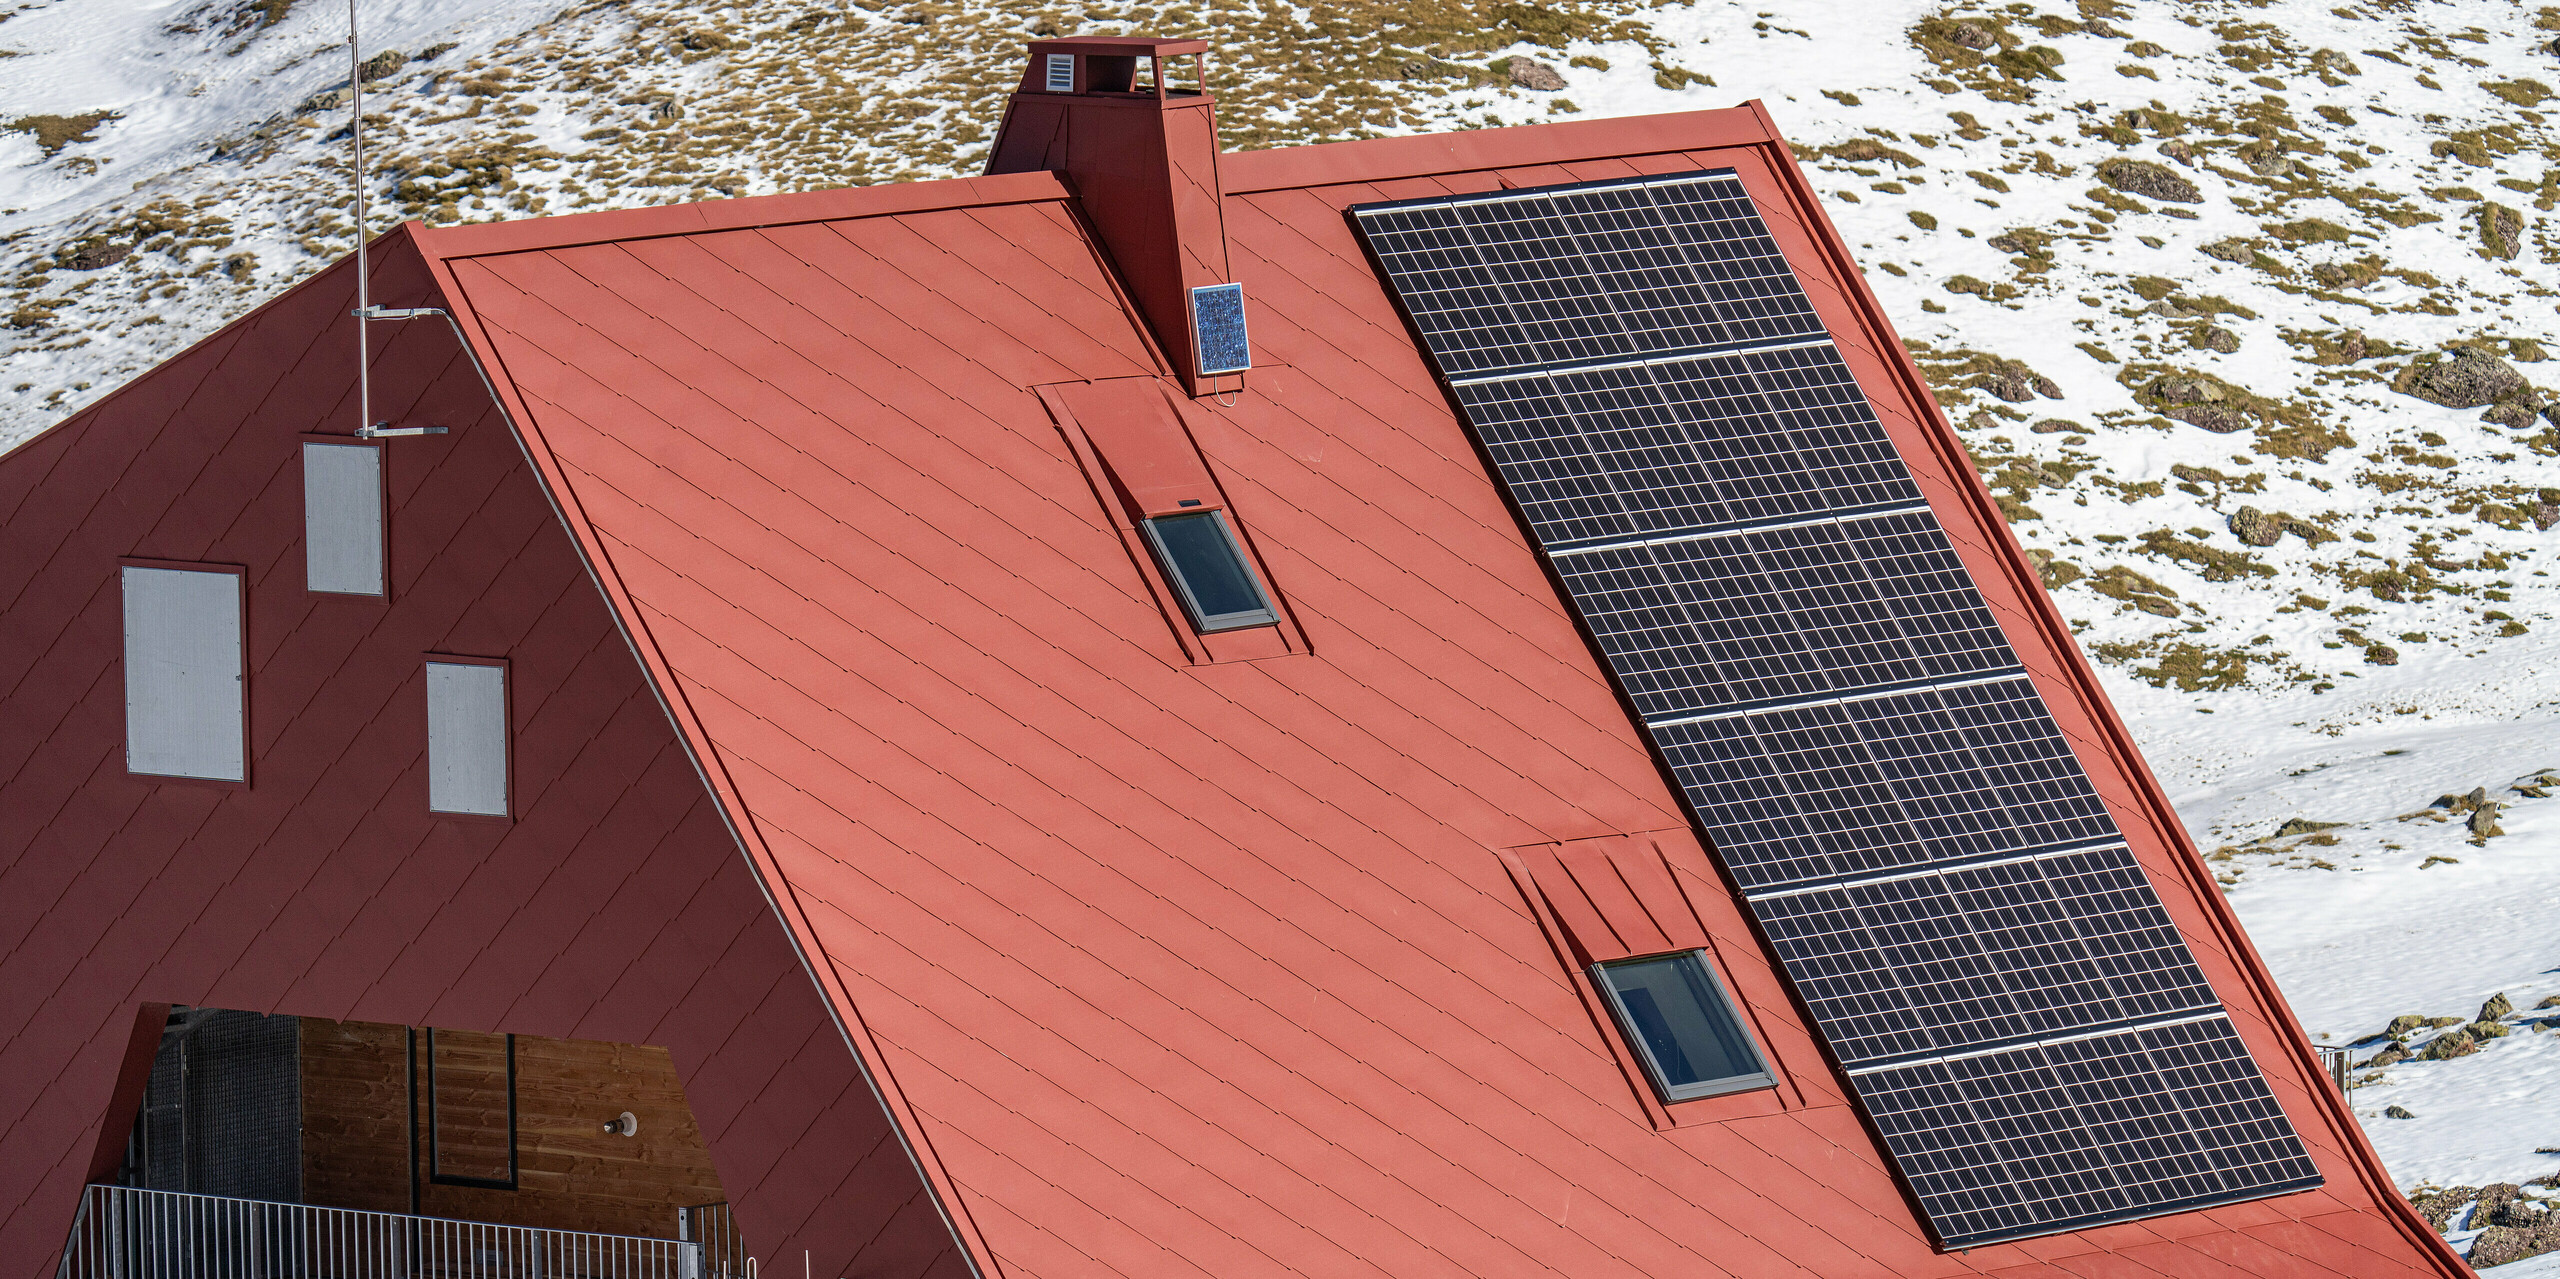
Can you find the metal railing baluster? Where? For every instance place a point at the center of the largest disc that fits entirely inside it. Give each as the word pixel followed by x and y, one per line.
pixel 125 1233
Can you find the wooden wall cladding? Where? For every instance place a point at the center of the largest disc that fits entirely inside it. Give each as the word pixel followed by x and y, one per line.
pixel 570 1173
pixel 355 1115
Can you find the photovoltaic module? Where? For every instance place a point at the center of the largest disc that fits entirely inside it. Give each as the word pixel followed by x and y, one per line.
pixel 1943 886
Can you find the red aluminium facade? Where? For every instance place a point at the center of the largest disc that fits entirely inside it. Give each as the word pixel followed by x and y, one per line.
pixel 1086 944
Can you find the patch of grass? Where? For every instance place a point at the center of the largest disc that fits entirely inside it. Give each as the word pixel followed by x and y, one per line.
pixel 54 132
pixel 2520 92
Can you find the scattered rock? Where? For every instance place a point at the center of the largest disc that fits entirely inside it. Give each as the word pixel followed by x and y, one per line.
pixel 2142 177
pixel 2303 825
pixel 2549 1001
pixel 381 64
pixel 2233 250
pixel 2217 338
pixel 1967 35
pixel 2391 1055
pixel 2266 161
pixel 2501 230
pixel 2352 346
pixel 2449 1045
pixel 2346 275
pixel 2217 418
pixel 2056 426
pixel 2546 515
pixel 2467 377
pixel 2484 821
pixel 2491 1207
pixel 2499 1245
pixel 2497 1006
pixel 2099 27
pixel 2406 1023
pixel 1529 73
pixel 2257 528
pixel 2513 415
pixel 2484 1031
pixel 2015 382
pixel 2402 1112
pixel 2382 655
pixel 92 253
pixel 2187 390
pixel 2179 151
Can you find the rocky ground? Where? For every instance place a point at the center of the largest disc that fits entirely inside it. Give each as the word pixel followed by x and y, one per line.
pixel 2244 309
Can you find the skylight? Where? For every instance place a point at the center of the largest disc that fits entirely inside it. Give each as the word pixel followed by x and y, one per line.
pixel 1199 553
pixel 1675 1014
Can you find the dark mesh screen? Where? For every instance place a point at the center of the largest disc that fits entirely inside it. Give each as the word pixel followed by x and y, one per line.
pixel 222 1114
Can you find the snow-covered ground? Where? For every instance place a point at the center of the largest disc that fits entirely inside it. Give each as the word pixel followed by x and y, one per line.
pixel 2399 641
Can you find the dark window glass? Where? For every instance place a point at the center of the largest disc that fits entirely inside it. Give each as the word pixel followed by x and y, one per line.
pixel 1199 553
pixel 1675 1012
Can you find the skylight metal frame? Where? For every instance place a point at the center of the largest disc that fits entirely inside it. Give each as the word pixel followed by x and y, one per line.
pixel 1210 623
pixel 1670 1093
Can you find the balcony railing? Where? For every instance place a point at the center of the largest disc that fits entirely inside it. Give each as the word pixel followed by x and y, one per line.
pixel 123 1233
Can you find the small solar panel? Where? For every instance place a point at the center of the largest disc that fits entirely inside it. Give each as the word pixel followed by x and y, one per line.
pixel 1217 329
pixel 1935 873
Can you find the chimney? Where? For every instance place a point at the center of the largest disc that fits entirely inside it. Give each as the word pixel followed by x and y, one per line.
pixel 1143 159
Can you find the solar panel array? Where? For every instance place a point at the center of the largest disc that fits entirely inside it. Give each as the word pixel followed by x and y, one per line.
pixel 1940 881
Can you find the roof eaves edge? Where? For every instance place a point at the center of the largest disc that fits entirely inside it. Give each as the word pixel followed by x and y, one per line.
pixel 1429 154
pixel 485 239
pixel 659 674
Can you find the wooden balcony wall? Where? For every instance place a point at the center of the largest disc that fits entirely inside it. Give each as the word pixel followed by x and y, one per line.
pixel 357 1145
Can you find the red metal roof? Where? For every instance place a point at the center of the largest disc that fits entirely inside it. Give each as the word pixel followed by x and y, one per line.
pixel 1178 961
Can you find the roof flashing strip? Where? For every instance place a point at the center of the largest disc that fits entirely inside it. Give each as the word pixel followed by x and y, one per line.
pixel 2048 1041
pixel 1831 700
pixel 1515 196
pixel 1650 361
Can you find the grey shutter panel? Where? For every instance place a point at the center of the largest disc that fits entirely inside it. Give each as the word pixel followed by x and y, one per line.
pixel 184 683
pixel 342 517
pixel 467 738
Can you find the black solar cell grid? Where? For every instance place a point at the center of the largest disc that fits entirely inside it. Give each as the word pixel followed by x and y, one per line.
pixel 1936 875
pixel 2091 1129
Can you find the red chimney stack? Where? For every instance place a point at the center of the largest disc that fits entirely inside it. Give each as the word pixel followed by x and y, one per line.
pixel 1143 159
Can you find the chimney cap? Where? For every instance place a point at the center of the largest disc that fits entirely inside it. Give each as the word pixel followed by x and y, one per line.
pixel 1132 47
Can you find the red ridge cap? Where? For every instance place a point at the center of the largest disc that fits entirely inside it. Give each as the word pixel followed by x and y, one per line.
pixel 1421 155
pixel 480 239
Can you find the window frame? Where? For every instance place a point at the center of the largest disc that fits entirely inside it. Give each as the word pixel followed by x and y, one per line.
pixel 1210 624
pixel 515 1154
pixel 1673 1094
pixel 239 574
pixel 382 515
pixel 506 737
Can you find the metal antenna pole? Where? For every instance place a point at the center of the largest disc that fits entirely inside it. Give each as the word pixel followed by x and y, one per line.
pixel 364 292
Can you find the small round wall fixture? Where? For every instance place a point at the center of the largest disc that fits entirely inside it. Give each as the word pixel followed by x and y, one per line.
pixel 625 1124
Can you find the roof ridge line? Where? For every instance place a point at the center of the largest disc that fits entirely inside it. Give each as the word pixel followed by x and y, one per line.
pixel 831 204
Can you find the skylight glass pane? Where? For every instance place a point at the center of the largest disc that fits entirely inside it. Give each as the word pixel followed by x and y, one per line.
pixel 1199 553
pixel 1675 1012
